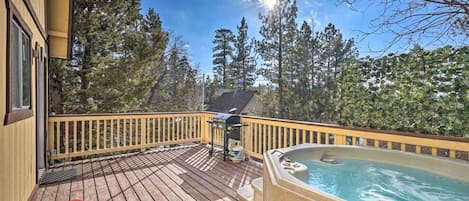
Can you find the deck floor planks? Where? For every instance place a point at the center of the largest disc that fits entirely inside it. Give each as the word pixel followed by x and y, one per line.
pixel 228 168
pixel 219 167
pixel 76 189
pixel 131 173
pixel 238 174
pixel 114 188
pixel 128 191
pixel 63 192
pixel 88 182
pixel 102 188
pixel 186 185
pixel 51 189
pixel 143 172
pixel 193 182
pixel 184 173
pixel 210 182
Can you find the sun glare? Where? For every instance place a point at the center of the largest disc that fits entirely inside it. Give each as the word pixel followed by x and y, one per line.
pixel 269 4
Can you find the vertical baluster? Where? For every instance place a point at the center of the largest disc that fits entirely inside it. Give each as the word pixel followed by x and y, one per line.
pixel 98 133
pixel 311 136
pixel 173 130
pixel 290 132
pixel 90 135
pixel 434 151
pixel 269 138
pixel 118 133
pixel 191 127
pixel 452 153
pixel 255 138
pixel 82 136
pixel 143 134
pixel 57 131
pixel 274 136
pixel 66 136
pixel 354 140
pixel 389 145
pixel 418 149
pixel 326 136
pixel 131 126
pixel 161 129
pixel 154 130
pixel 199 125
pixel 75 143
pixel 402 146
pixel 165 133
pixel 112 133
pixel 264 140
pixel 376 143
pixel 303 140
pixel 105 134
pixel 297 136
pixel 187 128
pixel 125 133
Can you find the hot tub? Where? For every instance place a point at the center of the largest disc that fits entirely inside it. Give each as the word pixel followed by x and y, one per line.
pixel 338 172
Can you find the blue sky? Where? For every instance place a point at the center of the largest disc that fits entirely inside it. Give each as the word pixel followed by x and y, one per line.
pixel 196 21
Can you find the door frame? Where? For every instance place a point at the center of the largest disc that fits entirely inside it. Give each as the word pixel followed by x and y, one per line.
pixel 40 54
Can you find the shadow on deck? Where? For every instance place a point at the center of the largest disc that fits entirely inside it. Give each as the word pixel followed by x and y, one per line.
pixel 184 173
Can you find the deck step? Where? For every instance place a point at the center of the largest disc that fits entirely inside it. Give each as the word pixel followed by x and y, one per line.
pixel 246 193
pixel 257 186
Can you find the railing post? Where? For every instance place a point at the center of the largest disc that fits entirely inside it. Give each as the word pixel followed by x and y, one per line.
pixel 203 127
pixel 143 129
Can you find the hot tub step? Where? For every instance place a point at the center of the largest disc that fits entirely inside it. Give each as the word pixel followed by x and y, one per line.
pixel 246 193
pixel 257 185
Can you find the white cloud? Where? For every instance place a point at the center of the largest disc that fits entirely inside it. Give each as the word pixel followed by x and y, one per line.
pixel 186 46
pixel 313 18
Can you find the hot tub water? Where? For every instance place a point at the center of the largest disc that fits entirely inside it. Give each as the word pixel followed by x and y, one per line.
pixel 356 180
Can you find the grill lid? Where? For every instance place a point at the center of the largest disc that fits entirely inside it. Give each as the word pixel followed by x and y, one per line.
pixel 222 116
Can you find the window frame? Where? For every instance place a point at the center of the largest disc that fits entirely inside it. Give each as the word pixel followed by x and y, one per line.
pixel 12 116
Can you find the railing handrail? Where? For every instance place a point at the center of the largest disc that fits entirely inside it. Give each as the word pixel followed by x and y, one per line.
pixel 123 114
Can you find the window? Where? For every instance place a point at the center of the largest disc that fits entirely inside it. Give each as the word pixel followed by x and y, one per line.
pixel 18 69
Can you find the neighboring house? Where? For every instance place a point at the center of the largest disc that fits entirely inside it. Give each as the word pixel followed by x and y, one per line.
pixel 31 32
pixel 246 103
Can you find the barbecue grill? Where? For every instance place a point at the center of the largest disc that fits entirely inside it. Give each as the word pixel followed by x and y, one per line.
pixel 230 125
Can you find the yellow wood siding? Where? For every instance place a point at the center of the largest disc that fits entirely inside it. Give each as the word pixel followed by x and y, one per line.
pixel 58 27
pixel 18 140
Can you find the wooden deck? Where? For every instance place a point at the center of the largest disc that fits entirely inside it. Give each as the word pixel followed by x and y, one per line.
pixel 187 173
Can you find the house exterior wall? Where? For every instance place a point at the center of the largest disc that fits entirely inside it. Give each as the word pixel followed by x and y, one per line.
pixel 254 107
pixel 18 139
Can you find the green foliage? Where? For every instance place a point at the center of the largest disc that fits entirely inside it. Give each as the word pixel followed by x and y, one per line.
pixel 117 57
pixel 177 89
pixel 243 66
pixel 423 91
pixel 278 33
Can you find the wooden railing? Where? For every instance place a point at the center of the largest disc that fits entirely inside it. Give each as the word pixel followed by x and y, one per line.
pixel 83 135
pixel 263 134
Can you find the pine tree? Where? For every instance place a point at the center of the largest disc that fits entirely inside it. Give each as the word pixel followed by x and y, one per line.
pixel 244 63
pixel 114 48
pixel 278 31
pixel 223 55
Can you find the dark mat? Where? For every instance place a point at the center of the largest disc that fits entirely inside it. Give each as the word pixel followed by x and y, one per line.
pixel 59 176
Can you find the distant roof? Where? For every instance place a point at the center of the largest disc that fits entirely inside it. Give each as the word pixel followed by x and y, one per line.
pixel 229 100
